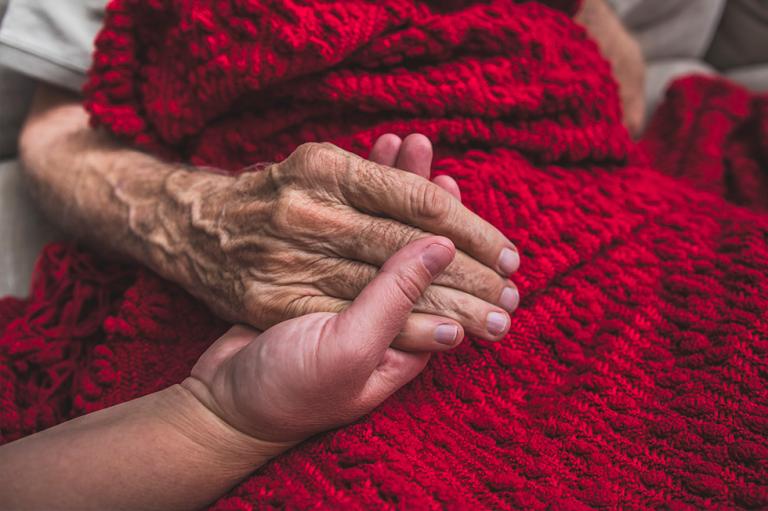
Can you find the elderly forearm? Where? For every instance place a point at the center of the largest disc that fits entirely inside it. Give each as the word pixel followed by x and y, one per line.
pixel 304 235
pixel 162 451
pixel 119 198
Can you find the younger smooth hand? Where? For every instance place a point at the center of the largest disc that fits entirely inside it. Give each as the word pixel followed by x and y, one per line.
pixel 323 370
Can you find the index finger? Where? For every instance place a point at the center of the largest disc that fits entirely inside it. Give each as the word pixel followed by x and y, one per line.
pixel 413 200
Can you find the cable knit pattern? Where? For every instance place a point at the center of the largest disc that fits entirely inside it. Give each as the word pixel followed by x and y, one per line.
pixel 634 373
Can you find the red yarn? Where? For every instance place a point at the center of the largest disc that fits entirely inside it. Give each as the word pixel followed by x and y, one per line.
pixel 702 114
pixel 634 374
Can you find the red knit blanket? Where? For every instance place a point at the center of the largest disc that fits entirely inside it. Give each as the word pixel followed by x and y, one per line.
pixel 634 374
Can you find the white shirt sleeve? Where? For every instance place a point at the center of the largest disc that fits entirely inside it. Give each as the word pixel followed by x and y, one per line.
pixel 671 29
pixel 51 40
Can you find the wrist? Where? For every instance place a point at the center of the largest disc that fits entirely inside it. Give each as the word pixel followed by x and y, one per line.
pixel 219 443
pixel 200 224
pixel 166 227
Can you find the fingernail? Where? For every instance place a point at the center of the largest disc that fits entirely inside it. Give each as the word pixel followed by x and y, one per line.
pixel 509 261
pixel 436 257
pixel 496 323
pixel 510 298
pixel 446 334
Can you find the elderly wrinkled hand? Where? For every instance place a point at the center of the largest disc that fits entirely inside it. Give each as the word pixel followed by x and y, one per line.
pixel 307 234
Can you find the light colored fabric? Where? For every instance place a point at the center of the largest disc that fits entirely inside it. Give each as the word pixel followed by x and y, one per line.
pixel 51 40
pixel 680 37
pixel 671 29
pixel 622 7
pixel 15 92
pixel 23 232
pixel 15 96
pixel 46 40
pixel 741 39
pixel 754 78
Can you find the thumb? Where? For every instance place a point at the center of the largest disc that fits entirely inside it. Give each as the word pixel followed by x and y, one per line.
pixel 380 311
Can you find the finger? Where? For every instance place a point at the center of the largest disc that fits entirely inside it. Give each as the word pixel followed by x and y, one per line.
pixel 381 310
pixel 345 277
pixel 448 184
pixel 428 332
pixel 341 282
pixel 386 149
pixel 373 240
pixel 409 198
pixel 478 317
pixel 438 304
pixel 415 155
pixel 422 332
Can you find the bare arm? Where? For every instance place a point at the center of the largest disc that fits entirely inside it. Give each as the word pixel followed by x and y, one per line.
pixel 250 397
pixel 162 451
pixel 110 195
pixel 305 235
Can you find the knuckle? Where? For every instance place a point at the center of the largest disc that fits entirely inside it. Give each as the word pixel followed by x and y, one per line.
pixel 428 201
pixel 409 283
pixel 313 156
pixel 461 308
pixel 305 152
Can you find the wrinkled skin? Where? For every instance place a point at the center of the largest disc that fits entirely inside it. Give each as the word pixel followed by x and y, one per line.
pixel 307 234
pixel 304 235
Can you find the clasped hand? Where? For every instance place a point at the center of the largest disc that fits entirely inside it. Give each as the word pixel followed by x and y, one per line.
pixel 326 369
pixel 308 234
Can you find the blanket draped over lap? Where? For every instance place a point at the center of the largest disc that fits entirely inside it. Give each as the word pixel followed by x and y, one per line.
pixel 634 374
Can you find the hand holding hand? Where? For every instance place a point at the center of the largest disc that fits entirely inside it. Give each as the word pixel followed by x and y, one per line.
pixel 323 370
pixel 307 234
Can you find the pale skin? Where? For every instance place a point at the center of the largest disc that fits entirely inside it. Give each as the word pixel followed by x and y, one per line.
pixel 304 235
pixel 249 398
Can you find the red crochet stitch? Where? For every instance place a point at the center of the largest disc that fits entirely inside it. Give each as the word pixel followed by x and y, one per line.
pixel 634 373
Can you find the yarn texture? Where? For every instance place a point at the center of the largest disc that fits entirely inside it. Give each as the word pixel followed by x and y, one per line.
pixel 634 373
